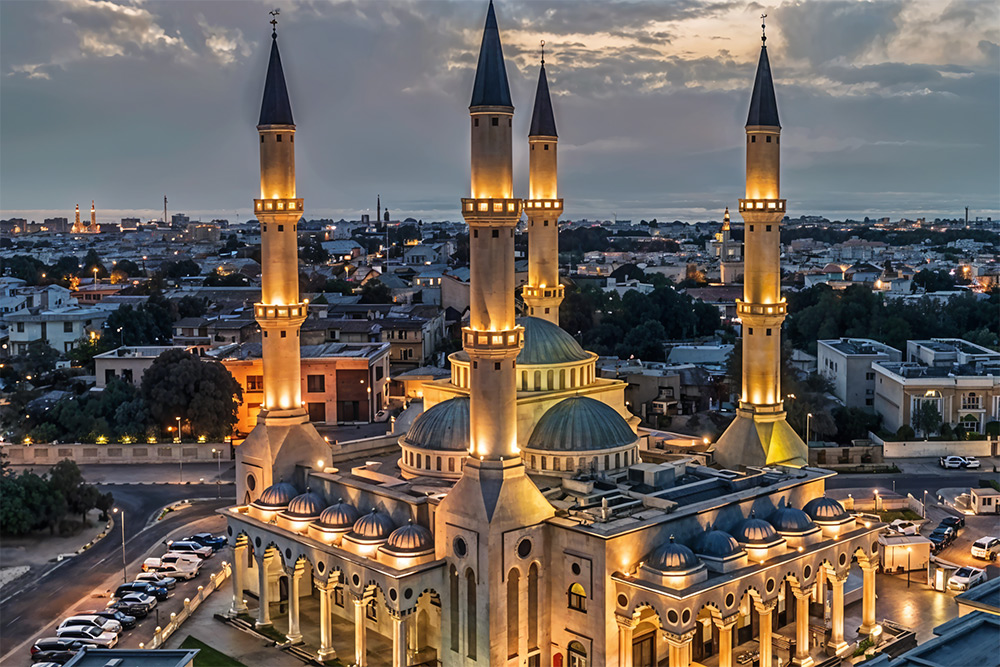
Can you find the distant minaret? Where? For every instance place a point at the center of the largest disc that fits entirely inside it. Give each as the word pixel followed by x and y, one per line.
pixel 76 225
pixel 93 216
pixel 494 498
pixel 543 293
pixel 164 209
pixel 378 209
pixel 725 225
pixel 760 435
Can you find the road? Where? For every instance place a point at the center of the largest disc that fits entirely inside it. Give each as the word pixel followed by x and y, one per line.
pixel 914 484
pixel 45 596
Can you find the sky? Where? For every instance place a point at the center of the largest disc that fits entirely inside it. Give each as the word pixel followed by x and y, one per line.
pixel 888 107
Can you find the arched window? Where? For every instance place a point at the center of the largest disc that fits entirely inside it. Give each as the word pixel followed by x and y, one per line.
pixel 577 654
pixel 451 464
pixel 550 379
pixel 439 463
pixel 555 463
pixel 534 466
pixel 454 609
pixel 544 463
pixel 524 380
pixel 538 380
pixel 618 460
pixel 562 378
pixel 607 461
pixel 569 464
pixel 470 613
pixel 578 597
pixel 572 377
pixel 513 624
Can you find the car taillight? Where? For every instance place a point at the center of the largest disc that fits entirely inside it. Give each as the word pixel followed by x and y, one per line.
pixel 34 650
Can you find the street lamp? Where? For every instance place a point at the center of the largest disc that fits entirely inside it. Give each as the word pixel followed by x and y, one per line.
pixel 95 275
pixel 908 567
pixel 808 424
pixel 178 428
pixel 124 571
pixel 121 330
pixel 218 478
pixel 876 500
pixel 924 513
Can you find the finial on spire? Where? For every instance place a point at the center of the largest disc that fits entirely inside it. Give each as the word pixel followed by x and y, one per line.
pixel 763 36
pixel 274 22
pixel 543 53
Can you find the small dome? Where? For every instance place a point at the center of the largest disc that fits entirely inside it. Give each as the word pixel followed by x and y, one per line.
pixel 410 538
pixel 756 531
pixel 825 509
pixel 581 424
pixel 718 544
pixel 306 506
pixel 444 426
pixel 672 557
pixel 339 516
pixel 375 525
pixel 791 520
pixel 546 343
pixel 277 496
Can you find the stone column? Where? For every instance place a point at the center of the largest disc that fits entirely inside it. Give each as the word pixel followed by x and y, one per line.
pixel 360 650
pixel 626 627
pixel 867 595
pixel 326 650
pixel 398 639
pixel 264 613
pixel 239 605
pixel 725 626
pixel 294 634
pixel 764 609
pixel 680 648
pixel 802 595
pixel 837 643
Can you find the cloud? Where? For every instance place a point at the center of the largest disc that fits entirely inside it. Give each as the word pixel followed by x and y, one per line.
pixel 30 70
pixel 227 45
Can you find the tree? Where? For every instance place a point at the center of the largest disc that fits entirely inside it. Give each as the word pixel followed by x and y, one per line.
pixel 927 418
pixel 202 393
pixel 38 359
pixel 933 281
pixel 104 503
pixel 375 291
pixel 192 306
pixel 181 269
pixel 219 279
pixel 313 252
pixel 93 261
pixel 644 341
pixel 854 423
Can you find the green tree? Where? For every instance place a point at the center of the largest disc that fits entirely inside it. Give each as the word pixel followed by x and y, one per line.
pixel 219 279
pixel 375 291
pixel 93 261
pixel 38 359
pixel 192 306
pixel 854 423
pixel 104 503
pixel 644 341
pixel 933 281
pixel 313 252
pixel 181 269
pixel 25 267
pixel 15 516
pixel 927 418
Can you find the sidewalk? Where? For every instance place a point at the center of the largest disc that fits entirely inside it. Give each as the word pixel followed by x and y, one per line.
pixel 928 465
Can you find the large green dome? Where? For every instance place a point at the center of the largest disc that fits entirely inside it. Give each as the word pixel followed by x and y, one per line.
pixel 444 426
pixel 545 344
pixel 581 424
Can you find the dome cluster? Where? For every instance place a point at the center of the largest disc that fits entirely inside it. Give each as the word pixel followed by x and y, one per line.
pixel 825 509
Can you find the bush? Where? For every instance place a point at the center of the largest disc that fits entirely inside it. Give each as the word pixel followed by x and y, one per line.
pixel 905 432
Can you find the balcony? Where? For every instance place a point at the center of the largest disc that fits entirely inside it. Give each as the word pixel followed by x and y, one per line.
pixel 535 205
pixel 776 309
pixel 762 205
pixel 492 343
pixel 491 211
pixel 263 311
pixel 277 205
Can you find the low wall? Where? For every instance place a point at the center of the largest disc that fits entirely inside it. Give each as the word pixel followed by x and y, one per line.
pixel 915 448
pixel 160 635
pixel 375 446
pixel 868 504
pixel 189 452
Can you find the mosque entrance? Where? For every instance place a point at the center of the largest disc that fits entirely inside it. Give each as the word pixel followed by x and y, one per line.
pixel 644 651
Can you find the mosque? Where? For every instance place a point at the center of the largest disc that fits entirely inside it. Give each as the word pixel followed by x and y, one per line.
pixel 519 525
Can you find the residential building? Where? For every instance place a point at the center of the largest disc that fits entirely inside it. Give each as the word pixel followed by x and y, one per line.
pixel 128 363
pixel 61 328
pixel 847 364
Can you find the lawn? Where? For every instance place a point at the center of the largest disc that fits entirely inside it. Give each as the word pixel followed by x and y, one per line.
pixel 889 516
pixel 208 656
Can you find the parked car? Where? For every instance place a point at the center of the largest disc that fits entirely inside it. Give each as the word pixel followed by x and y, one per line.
pixel 159 578
pixel 91 634
pixel 207 540
pixel 52 644
pixel 53 658
pixel 183 546
pixel 134 604
pixel 938 542
pixel 159 592
pixel 986 548
pixel 951 462
pixel 172 557
pixel 180 570
pixel 955 522
pixel 948 532
pixel 105 624
pixel 904 527
pixel 127 621
pixel 971 462
pixel 965 578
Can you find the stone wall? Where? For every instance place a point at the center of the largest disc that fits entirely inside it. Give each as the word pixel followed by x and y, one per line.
pixel 167 452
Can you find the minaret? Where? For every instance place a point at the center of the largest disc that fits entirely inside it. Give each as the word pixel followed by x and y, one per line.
pixel 283 436
pixel 93 216
pixel 725 225
pixel 76 225
pixel 494 502
pixel 760 435
pixel 543 293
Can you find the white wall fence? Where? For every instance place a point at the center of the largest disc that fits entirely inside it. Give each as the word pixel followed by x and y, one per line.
pixel 914 448
pixel 164 452
pixel 160 635
pixel 880 503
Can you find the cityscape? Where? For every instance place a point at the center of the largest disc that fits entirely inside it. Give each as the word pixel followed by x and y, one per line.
pixel 421 393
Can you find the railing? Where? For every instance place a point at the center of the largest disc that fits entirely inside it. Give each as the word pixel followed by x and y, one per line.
pixel 780 308
pixel 762 205
pixel 160 635
pixel 266 311
pixel 544 204
pixel 486 341
pixel 277 205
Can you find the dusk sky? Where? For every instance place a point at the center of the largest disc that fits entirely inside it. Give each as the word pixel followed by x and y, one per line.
pixel 887 107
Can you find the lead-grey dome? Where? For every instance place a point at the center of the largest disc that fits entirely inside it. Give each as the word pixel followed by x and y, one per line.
pixel 581 424
pixel 444 426
pixel 277 496
pixel 308 505
pixel 546 343
pixel 825 509
pixel 756 531
pixel 373 526
pixel 791 520
pixel 672 557
pixel 718 544
pixel 339 516
pixel 411 538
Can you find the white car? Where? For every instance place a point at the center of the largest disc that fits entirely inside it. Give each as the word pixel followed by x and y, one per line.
pixel 965 578
pixel 181 569
pixel 971 462
pixel 182 546
pixel 160 577
pixel 986 548
pixel 951 462
pixel 108 625
pixel 171 557
pixel 89 634
pixel 904 527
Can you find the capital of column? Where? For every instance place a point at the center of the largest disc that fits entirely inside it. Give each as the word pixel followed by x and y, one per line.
pixel 765 606
pixel 678 640
pixel 627 622
pixel 837 577
pixel 868 562
pixel 298 569
pixel 801 592
pixel 725 622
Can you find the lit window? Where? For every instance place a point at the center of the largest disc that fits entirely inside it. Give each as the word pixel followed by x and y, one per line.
pixel 577 597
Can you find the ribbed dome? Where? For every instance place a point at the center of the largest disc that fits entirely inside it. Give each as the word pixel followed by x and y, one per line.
pixel 277 496
pixel 373 526
pixel 791 520
pixel 825 509
pixel 718 544
pixel 672 557
pixel 756 531
pixel 546 343
pixel 411 538
pixel 339 516
pixel 305 506
pixel 444 426
pixel 580 424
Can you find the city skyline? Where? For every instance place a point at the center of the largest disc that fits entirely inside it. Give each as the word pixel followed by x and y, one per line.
pixel 649 109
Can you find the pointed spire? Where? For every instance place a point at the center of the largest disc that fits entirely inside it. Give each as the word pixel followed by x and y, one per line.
pixel 275 108
pixel 543 121
pixel 491 88
pixel 725 221
pixel 763 107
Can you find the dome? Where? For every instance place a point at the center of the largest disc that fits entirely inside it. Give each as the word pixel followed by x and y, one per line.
pixel 339 516
pixel 581 424
pixel 672 557
pixel 756 531
pixel 825 509
pixel 546 343
pixel 306 506
pixel 410 538
pixel 277 496
pixel 718 544
pixel 791 520
pixel 444 426
pixel 375 525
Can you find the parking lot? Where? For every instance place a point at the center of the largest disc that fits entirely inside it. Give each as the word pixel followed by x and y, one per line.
pixel 959 551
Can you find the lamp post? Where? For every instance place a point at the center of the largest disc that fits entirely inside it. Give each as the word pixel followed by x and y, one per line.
pixel 809 416
pixel 908 567
pixel 124 570
pixel 178 419
pixel 95 276
pixel 924 513
pixel 121 330
pixel 217 453
pixel 876 499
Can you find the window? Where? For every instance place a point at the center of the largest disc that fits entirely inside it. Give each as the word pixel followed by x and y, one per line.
pixel 109 375
pixel 475 123
pixel 578 598
pixel 255 383
pixel 338 596
pixel 315 384
pixel 768 332
pixel 767 228
pixel 127 375
pixel 496 233
pixel 751 228
pixel 284 334
pixel 769 140
pixel 869 401
pixel 67 327
pixel 371 611
pixel 470 611
pixel 577 655
pixel 20 327
pixel 869 376
pixel 281 228
pixel 751 331
pixel 379 372
pixel 753 140
pixel 495 121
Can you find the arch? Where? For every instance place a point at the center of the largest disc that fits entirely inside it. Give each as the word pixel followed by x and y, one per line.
pixel 513 608
pixel 577 595
pixel 532 619
pixel 470 614
pixel 524 380
pixel 562 378
pixel 712 609
pixel 645 605
pixel 454 595
pixel 537 381
pixel 550 379
pixel 572 377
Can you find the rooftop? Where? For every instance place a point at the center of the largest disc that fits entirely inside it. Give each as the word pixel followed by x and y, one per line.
pixel 103 657
pixel 858 346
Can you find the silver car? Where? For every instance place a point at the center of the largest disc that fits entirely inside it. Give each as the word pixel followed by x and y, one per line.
pixel 89 634
pixel 106 624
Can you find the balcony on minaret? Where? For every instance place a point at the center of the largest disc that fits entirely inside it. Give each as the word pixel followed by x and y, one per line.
pixel 543 292
pixel 492 344
pixel 533 205
pixel 762 205
pixel 287 313
pixel 278 205
pixel 491 211
pixel 779 309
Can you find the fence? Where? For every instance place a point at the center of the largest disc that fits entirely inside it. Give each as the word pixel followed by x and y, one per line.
pixel 882 503
pixel 160 635
pixel 913 448
pixel 167 452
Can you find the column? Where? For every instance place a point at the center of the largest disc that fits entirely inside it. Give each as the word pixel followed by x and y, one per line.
pixel 680 648
pixel 360 650
pixel 326 650
pixel 802 595
pixel 398 639
pixel 725 626
pixel 867 595
pixel 764 610
pixel 837 642
pixel 264 613
pixel 294 635
pixel 239 605
pixel 626 628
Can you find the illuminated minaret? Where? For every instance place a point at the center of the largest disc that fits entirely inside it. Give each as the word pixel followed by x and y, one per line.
pixel 494 501
pixel 93 216
pixel 76 225
pixel 543 293
pixel 760 435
